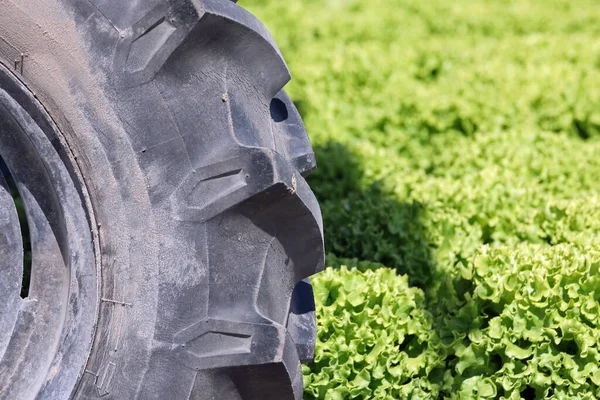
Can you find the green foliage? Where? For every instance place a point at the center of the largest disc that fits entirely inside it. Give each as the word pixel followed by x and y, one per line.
pixel 527 325
pixel 373 335
pixel 458 145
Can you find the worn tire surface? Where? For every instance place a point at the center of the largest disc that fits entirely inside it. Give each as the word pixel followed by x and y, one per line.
pixel 190 161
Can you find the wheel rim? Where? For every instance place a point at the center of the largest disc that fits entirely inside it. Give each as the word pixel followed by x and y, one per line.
pixel 44 337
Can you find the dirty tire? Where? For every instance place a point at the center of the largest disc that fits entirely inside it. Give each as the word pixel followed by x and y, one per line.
pixel 161 168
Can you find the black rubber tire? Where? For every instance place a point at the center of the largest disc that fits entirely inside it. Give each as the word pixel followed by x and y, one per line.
pixel 187 161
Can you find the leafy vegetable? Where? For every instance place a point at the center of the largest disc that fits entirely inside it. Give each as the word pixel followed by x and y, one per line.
pixel 529 324
pixel 458 146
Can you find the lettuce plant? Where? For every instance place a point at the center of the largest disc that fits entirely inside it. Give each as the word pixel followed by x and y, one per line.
pixel 457 145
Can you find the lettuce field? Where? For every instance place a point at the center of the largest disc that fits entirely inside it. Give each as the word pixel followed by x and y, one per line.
pixel 458 145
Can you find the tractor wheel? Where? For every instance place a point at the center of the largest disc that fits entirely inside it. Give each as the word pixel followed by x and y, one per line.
pixel 156 228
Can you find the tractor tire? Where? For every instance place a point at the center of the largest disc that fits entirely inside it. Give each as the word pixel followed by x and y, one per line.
pixel 156 228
